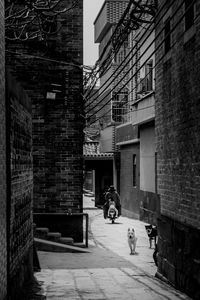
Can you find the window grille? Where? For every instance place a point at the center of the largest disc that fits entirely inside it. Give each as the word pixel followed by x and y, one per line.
pixel 120 107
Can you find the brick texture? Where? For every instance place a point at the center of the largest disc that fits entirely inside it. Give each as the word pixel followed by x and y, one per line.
pixel 177 129
pixel 177 138
pixel 20 185
pixel 3 244
pixel 57 123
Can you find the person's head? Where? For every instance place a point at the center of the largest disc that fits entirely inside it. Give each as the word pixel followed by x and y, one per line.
pixel 111 188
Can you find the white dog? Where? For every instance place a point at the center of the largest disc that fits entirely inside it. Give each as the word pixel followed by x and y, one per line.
pixel 132 240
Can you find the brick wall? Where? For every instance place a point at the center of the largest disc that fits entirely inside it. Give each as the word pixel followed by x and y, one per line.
pixel 3 244
pixel 178 142
pixel 58 128
pixel 20 185
pixel 57 123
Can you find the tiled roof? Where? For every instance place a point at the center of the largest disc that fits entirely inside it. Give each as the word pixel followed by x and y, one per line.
pixel 92 150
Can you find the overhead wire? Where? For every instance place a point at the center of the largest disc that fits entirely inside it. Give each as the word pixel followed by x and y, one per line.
pixel 108 43
pixel 171 30
pixel 136 63
pixel 147 74
pixel 46 59
pixel 135 37
pixel 129 60
pixel 113 88
pixel 111 76
pixel 138 5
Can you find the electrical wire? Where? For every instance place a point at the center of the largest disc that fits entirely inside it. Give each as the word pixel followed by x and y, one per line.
pixel 136 62
pixel 148 59
pixel 147 74
pixel 144 33
pixel 137 6
pixel 135 37
pixel 109 42
pixel 107 45
pixel 47 59
pixel 111 76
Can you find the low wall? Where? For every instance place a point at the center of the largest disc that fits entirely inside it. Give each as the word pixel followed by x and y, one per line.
pixel 69 225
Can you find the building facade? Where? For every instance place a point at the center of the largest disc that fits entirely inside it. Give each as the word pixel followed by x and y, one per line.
pixel 110 96
pixel 177 143
pixel 98 164
pixel 136 138
pixel 127 115
pixel 54 84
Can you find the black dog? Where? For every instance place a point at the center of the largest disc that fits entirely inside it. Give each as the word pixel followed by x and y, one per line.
pixel 152 234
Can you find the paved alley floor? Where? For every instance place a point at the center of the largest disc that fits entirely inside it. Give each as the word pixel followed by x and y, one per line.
pixel 109 271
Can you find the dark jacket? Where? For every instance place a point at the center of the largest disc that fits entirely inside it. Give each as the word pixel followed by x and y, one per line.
pixel 113 195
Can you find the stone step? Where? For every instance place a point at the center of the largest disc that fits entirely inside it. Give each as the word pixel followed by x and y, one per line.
pixel 66 240
pixel 41 232
pixel 49 246
pixel 54 236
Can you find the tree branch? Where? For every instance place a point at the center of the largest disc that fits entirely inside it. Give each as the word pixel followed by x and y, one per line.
pixel 33 19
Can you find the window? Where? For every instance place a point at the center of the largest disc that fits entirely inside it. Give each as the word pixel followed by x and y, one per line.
pixel 120 107
pixel 189 14
pixel 134 170
pixel 167 42
pixel 145 84
pixel 149 75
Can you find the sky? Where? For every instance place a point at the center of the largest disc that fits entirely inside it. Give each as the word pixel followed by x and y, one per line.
pixel 91 9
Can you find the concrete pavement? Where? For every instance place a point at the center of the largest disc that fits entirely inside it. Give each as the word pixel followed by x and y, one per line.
pixel 109 271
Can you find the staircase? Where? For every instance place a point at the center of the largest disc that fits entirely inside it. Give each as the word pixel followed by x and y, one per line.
pixel 54 242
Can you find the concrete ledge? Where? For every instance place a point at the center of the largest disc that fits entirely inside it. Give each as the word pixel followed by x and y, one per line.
pixel 49 246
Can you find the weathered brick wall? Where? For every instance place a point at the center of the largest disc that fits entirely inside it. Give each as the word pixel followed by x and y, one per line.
pixel 177 129
pixel 57 123
pixel 3 233
pixel 178 143
pixel 20 185
pixel 58 128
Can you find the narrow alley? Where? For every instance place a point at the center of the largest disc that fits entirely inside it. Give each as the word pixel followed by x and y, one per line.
pixel 108 271
pixel 99 108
